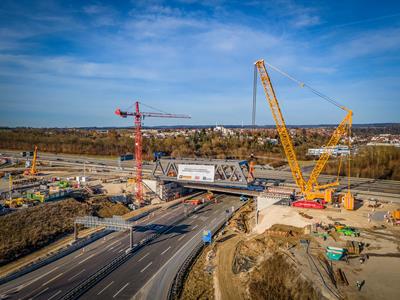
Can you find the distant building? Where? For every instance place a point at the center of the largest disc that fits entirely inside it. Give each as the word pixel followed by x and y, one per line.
pixel 335 151
pixel 223 130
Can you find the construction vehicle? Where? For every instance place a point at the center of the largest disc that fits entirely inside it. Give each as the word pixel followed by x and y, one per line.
pixel 243 198
pixel 14 203
pixel 346 230
pixel 310 190
pixel 63 184
pixel 138 117
pixel 193 201
pixel 32 171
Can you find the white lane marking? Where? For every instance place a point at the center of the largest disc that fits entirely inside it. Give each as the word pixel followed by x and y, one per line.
pixel 195 227
pixel 162 253
pixel 54 278
pixel 121 250
pixel 121 289
pixel 150 263
pixel 144 256
pixel 39 293
pixel 181 237
pixel 116 245
pixel 105 287
pixel 79 255
pixel 20 287
pixel 89 257
pixel 109 245
pixel 167 262
pixel 213 220
pixel 190 222
pixel 54 295
pixel 83 270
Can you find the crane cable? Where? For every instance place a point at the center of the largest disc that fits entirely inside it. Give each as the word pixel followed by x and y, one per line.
pixel 302 84
pixel 151 107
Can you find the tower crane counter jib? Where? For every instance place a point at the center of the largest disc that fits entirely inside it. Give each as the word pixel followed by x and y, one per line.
pixel 309 189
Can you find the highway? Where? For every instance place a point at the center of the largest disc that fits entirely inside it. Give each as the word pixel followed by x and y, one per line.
pixel 57 278
pixel 360 184
pixel 150 272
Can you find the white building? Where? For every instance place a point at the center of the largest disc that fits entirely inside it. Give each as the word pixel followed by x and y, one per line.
pixel 335 151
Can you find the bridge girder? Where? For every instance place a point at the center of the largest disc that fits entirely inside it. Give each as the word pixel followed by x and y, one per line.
pixel 226 172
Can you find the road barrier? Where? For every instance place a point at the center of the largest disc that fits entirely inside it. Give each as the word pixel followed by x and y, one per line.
pixel 92 280
pixel 80 244
pixel 176 287
pixel 58 255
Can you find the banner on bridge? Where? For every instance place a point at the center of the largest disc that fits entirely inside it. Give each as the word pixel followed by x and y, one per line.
pixel 200 173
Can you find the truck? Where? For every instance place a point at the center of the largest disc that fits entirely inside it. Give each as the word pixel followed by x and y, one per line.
pixel 244 198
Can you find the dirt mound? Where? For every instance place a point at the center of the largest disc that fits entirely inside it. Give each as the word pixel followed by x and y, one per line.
pixel 276 279
pixel 104 208
pixel 241 221
pixel 27 230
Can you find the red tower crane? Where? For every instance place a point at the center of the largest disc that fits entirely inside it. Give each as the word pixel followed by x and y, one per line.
pixel 138 117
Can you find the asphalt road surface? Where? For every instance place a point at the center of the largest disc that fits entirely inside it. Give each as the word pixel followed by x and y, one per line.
pixel 55 279
pixel 149 274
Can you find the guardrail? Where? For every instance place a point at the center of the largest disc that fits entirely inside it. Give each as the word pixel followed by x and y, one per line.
pixel 176 287
pixel 88 283
pixel 54 257
pixel 66 251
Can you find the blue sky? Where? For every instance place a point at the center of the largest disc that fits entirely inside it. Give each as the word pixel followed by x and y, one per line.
pixel 71 63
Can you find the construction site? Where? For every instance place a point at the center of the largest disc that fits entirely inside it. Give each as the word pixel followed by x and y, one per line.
pixel 243 230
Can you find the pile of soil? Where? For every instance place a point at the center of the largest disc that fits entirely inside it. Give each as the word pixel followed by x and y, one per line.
pixel 199 283
pixel 276 279
pixel 241 222
pixel 26 230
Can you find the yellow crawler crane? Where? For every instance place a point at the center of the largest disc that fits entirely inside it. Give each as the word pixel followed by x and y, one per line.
pixel 32 171
pixel 310 189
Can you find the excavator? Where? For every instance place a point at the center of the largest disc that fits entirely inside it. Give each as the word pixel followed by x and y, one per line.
pixel 32 171
pixel 310 190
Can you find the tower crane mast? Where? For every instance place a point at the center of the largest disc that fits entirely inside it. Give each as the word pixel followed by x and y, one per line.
pixel 138 117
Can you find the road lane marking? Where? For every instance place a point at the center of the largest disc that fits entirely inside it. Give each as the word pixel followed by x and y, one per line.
pixel 20 287
pixel 40 293
pixel 105 288
pixel 150 263
pixel 89 257
pixel 144 256
pixel 195 227
pixel 109 245
pixel 83 270
pixel 213 220
pixel 162 253
pixel 121 250
pixel 167 262
pixel 116 294
pixel 181 237
pixel 54 295
pixel 54 278
pixel 190 222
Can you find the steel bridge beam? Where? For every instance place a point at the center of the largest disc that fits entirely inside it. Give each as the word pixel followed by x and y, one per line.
pixel 226 172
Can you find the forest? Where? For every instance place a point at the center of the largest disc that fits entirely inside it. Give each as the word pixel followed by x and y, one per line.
pixel 371 162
